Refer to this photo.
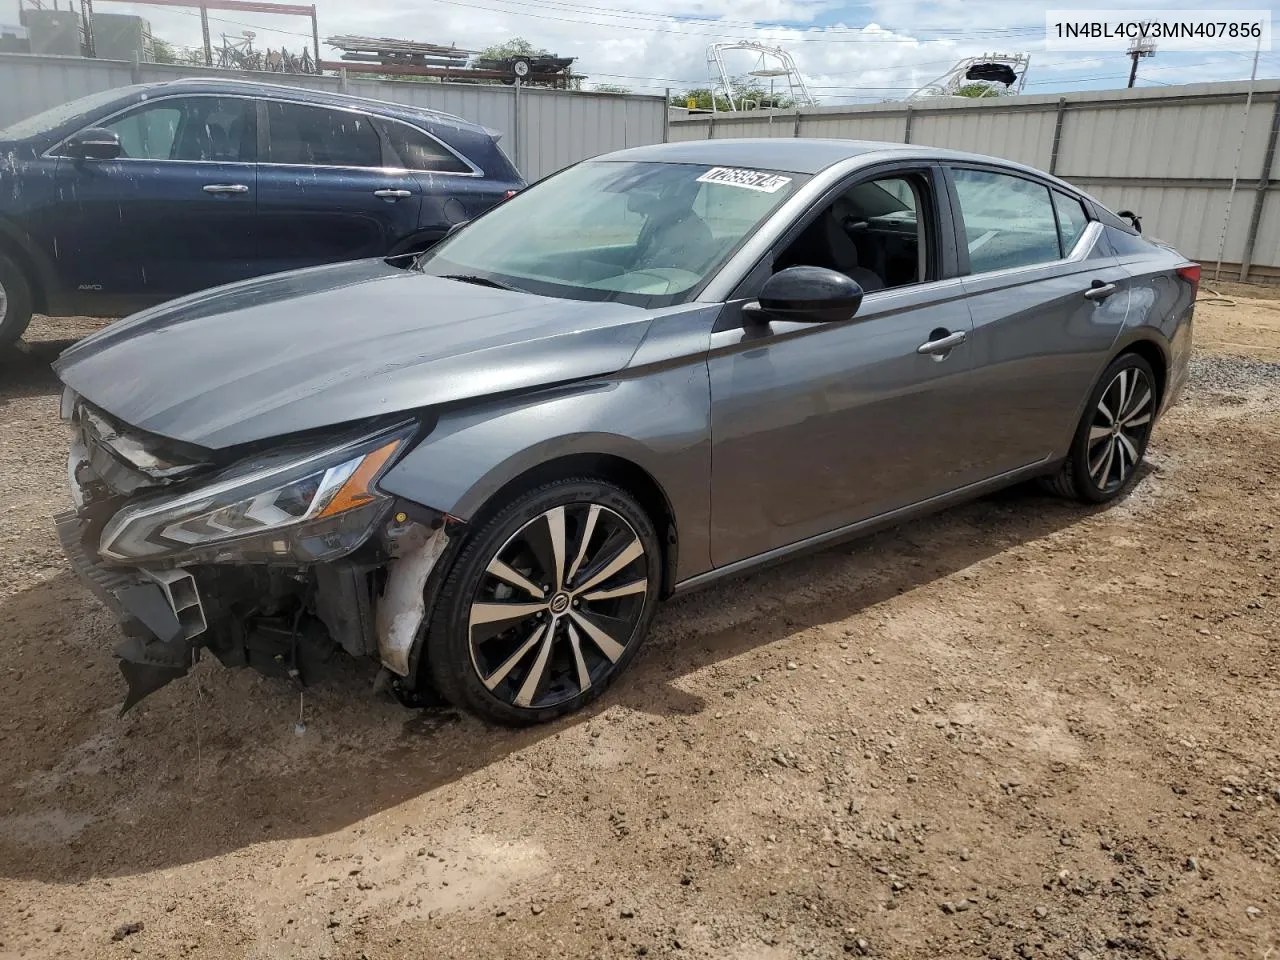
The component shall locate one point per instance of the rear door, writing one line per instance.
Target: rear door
(1048, 302)
(325, 192)
(173, 214)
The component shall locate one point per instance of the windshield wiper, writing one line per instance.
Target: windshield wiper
(479, 281)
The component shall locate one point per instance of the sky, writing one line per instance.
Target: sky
(847, 52)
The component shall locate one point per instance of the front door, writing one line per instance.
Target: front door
(817, 426)
(325, 193)
(175, 213)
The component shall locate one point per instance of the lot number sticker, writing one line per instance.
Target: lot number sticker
(747, 179)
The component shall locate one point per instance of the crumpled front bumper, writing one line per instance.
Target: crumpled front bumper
(159, 612)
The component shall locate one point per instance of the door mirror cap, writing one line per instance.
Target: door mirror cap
(96, 143)
(807, 295)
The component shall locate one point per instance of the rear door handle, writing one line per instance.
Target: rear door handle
(393, 194)
(225, 188)
(942, 344)
(1100, 290)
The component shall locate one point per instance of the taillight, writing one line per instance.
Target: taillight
(1191, 274)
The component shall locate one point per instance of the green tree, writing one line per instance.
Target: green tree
(744, 89)
(977, 91)
(163, 51)
(515, 47)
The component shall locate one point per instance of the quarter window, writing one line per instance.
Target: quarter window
(214, 129)
(1071, 220)
(1008, 221)
(410, 148)
(316, 136)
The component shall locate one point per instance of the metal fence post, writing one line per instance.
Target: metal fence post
(666, 117)
(515, 132)
(342, 79)
(796, 131)
(135, 69)
(906, 134)
(1057, 135)
(1260, 196)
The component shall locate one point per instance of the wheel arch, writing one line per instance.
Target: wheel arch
(1156, 354)
(38, 274)
(622, 472)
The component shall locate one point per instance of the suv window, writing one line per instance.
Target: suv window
(1008, 221)
(874, 232)
(1071, 220)
(215, 129)
(412, 149)
(317, 136)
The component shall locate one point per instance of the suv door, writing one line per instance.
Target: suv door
(175, 213)
(818, 426)
(1048, 303)
(325, 192)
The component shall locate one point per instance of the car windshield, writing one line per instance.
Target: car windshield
(649, 234)
(55, 117)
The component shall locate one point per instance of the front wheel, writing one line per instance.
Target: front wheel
(1111, 439)
(546, 603)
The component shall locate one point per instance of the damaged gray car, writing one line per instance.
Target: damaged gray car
(650, 371)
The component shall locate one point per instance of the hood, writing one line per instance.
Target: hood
(330, 345)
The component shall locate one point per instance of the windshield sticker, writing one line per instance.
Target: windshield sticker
(748, 179)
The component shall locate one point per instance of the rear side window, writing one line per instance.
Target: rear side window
(1007, 221)
(1071, 220)
(317, 136)
(1125, 243)
(410, 148)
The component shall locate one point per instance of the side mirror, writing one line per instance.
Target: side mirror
(806, 295)
(96, 143)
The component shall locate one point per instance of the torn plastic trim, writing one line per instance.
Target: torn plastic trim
(403, 605)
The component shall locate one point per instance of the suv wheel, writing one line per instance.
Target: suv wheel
(546, 604)
(15, 302)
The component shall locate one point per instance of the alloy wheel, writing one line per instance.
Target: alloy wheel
(1120, 427)
(4, 303)
(557, 605)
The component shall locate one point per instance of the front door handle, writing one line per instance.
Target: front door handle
(1100, 291)
(942, 344)
(393, 194)
(225, 188)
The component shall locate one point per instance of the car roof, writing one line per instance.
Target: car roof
(797, 154)
(256, 88)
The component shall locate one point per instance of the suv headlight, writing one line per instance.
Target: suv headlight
(304, 506)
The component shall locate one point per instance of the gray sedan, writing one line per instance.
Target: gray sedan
(653, 370)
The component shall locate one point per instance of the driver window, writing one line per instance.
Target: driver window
(873, 233)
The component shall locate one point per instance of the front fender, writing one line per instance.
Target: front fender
(657, 418)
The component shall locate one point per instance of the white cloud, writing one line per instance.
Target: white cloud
(878, 50)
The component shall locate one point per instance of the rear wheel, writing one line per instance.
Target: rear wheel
(546, 604)
(1111, 439)
(15, 302)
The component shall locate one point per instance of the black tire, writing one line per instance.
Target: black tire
(1102, 466)
(506, 669)
(15, 302)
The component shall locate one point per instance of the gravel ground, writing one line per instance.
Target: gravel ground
(1019, 729)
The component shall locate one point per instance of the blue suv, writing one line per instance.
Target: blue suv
(136, 195)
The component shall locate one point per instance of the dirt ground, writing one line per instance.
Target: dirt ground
(1018, 729)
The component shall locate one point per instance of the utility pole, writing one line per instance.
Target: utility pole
(1139, 47)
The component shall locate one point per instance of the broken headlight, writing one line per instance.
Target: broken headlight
(303, 506)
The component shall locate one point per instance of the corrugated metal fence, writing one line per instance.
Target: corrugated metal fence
(543, 130)
(1169, 154)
